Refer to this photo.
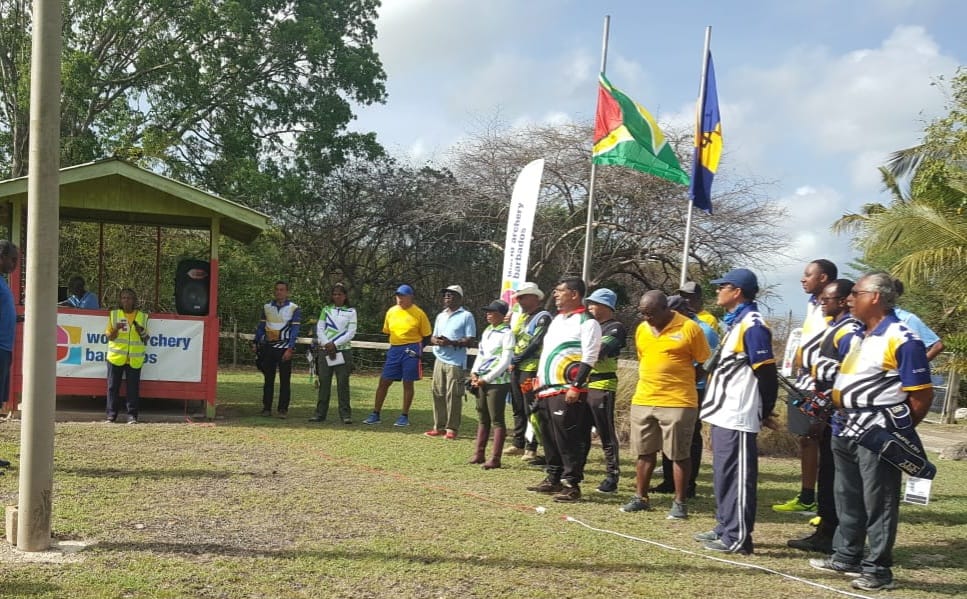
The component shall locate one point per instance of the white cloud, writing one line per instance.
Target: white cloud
(813, 209)
(802, 112)
(862, 104)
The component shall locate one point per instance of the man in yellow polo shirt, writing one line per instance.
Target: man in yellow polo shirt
(665, 405)
(408, 329)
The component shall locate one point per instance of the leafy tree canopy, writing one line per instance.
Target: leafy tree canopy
(223, 93)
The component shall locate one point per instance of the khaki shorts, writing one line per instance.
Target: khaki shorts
(655, 429)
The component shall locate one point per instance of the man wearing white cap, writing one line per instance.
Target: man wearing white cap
(408, 329)
(528, 326)
(453, 332)
(603, 383)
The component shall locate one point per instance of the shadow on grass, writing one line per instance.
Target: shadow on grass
(910, 556)
(629, 567)
(159, 473)
(30, 589)
(926, 516)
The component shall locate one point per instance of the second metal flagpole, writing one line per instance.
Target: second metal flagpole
(588, 229)
(698, 144)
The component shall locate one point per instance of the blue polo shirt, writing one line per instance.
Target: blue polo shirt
(919, 327)
(8, 319)
(455, 325)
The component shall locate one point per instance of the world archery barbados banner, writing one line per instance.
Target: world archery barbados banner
(520, 223)
(173, 352)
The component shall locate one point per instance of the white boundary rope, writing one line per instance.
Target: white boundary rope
(718, 559)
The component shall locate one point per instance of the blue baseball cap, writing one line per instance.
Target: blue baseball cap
(404, 290)
(743, 278)
(603, 296)
(497, 305)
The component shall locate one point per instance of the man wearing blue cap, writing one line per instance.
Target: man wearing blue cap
(408, 329)
(603, 382)
(742, 389)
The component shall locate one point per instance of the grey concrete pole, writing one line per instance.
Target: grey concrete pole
(40, 328)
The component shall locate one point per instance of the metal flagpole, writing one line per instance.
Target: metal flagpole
(588, 235)
(698, 144)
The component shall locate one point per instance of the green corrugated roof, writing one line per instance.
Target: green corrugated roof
(116, 191)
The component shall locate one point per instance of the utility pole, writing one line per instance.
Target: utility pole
(40, 328)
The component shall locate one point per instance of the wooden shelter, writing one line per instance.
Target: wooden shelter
(182, 349)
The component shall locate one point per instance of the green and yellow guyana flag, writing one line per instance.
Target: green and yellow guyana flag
(626, 134)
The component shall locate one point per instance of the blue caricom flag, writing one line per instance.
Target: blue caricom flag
(708, 142)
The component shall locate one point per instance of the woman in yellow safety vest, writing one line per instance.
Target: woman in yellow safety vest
(127, 333)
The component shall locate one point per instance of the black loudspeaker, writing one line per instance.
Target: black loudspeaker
(192, 282)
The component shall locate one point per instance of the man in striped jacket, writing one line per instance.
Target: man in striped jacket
(741, 394)
(883, 386)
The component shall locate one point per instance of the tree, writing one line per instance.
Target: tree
(921, 235)
(218, 93)
(639, 219)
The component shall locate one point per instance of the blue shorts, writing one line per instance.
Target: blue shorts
(400, 365)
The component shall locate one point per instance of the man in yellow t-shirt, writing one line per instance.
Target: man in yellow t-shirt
(665, 404)
(692, 292)
(408, 328)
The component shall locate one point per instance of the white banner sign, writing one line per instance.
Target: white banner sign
(520, 223)
(173, 352)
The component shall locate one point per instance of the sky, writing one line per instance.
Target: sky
(814, 95)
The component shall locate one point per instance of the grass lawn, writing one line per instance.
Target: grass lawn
(258, 507)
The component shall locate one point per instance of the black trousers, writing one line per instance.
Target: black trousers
(567, 434)
(825, 495)
(518, 403)
(271, 362)
(132, 398)
(601, 409)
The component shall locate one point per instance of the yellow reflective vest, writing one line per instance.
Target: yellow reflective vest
(128, 346)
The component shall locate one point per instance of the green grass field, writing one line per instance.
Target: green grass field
(256, 507)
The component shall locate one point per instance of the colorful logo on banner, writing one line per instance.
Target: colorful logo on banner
(69, 349)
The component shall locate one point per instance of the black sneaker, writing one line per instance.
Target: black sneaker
(547, 486)
(830, 565)
(538, 461)
(317, 419)
(608, 485)
(267, 413)
(4, 464)
(816, 542)
(869, 582)
(665, 487)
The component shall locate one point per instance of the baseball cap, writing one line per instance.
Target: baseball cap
(743, 278)
(496, 306)
(679, 304)
(603, 296)
(529, 288)
(690, 288)
(404, 290)
(454, 288)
